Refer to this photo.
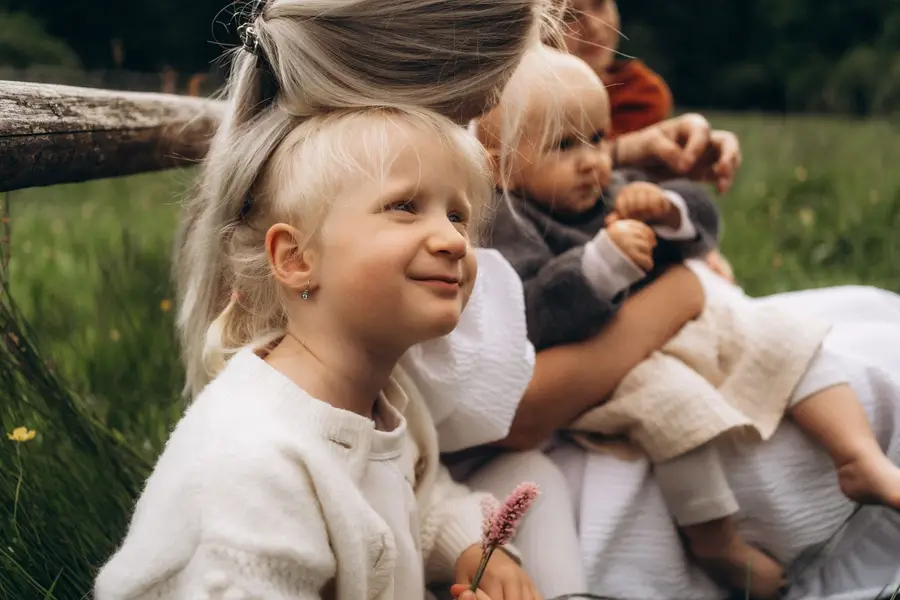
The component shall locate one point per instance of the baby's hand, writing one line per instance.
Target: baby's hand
(503, 578)
(636, 240)
(647, 203)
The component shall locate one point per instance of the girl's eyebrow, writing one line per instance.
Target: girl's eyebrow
(403, 191)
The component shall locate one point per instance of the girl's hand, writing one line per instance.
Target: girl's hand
(465, 594)
(503, 579)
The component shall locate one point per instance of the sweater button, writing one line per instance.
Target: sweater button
(235, 594)
(216, 580)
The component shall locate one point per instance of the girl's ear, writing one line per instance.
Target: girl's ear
(292, 264)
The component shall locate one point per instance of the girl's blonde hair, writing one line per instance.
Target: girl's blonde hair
(287, 133)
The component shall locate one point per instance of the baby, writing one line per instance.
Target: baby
(736, 370)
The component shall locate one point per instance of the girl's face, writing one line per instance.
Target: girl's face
(396, 262)
(592, 32)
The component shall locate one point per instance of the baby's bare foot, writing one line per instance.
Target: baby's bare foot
(872, 479)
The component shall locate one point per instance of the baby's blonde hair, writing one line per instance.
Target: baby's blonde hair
(321, 57)
(530, 105)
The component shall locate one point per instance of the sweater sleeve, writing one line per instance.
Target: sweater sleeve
(449, 524)
(561, 305)
(265, 538)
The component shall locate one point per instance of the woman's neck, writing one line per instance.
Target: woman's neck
(345, 375)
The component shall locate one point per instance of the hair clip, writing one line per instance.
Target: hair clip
(249, 38)
(247, 32)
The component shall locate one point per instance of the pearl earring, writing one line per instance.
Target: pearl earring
(305, 293)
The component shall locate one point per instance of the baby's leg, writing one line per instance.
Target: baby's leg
(835, 418)
(547, 538)
(697, 494)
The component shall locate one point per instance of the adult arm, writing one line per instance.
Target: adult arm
(570, 379)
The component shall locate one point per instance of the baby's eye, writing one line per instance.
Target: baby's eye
(458, 217)
(598, 137)
(567, 143)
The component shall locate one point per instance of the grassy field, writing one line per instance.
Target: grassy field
(817, 203)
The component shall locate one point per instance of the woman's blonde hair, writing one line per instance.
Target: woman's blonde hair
(289, 92)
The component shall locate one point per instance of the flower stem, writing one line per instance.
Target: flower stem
(485, 557)
(18, 488)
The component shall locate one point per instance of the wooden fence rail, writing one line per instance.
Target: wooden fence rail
(52, 134)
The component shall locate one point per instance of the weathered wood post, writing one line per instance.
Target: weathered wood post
(52, 134)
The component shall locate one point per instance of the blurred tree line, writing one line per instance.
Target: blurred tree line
(774, 55)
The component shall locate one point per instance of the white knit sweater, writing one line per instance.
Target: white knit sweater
(257, 495)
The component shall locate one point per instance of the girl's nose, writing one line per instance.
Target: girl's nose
(447, 239)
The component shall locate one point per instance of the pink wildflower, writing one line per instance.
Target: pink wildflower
(508, 516)
(489, 508)
(499, 522)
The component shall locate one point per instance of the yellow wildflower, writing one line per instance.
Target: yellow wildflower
(807, 216)
(165, 305)
(21, 434)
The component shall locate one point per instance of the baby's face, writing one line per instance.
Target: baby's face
(592, 32)
(564, 163)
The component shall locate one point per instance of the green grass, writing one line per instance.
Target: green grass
(817, 203)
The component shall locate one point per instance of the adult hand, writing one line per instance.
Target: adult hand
(685, 146)
(719, 162)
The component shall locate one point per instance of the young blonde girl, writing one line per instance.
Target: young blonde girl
(325, 240)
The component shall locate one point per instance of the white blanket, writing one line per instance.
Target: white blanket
(786, 487)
